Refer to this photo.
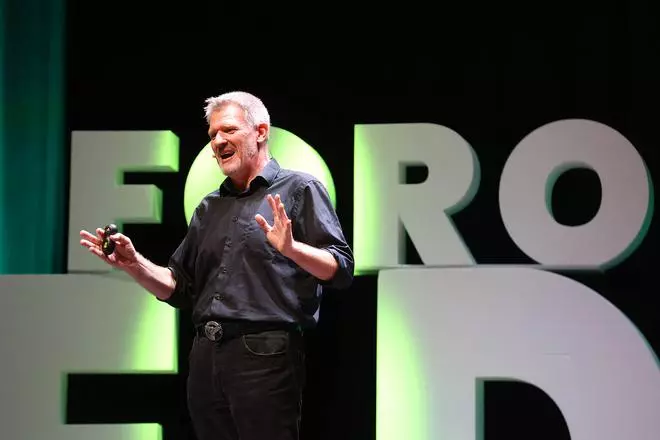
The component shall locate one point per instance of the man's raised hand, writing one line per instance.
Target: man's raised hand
(279, 234)
(124, 255)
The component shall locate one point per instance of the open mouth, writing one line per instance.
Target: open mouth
(226, 155)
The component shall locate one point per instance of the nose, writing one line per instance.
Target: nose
(218, 140)
(217, 144)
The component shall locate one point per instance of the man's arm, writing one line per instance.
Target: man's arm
(169, 284)
(318, 262)
(156, 279)
(319, 247)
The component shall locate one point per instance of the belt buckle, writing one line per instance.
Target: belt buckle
(213, 330)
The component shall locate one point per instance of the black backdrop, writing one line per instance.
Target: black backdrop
(491, 72)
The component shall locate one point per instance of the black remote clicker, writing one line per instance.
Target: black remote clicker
(109, 245)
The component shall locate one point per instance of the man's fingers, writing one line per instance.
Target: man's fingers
(99, 253)
(93, 245)
(120, 238)
(261, 221)
(110, 259)
(88, 243)
(89, 237)
(273, 205)
(283, 215)
(278, 209)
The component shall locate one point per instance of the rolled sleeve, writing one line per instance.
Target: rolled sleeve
(316, 224)
(181, 296)
(344, 276)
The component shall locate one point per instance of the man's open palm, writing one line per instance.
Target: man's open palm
(279, 234)
(124, 256)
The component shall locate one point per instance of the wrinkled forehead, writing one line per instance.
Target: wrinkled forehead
(228, 113)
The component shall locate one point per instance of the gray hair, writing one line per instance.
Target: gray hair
(255, 110)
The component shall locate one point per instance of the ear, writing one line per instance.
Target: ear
(262, 132)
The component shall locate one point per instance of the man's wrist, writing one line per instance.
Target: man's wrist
(293, 251)
(296, 250)
(137, 269)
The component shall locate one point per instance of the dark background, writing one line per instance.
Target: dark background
(492, 72)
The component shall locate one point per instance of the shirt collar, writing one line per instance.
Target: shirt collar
(265, 178)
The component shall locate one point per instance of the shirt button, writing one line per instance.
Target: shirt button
(234, 219)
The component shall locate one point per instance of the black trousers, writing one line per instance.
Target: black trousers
(247, 388)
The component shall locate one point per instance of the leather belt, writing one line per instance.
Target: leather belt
(216, 331)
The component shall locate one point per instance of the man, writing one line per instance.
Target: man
(251, 267)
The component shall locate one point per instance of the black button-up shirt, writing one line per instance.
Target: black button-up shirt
(225, 268)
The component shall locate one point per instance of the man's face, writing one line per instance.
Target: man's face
(234, 141)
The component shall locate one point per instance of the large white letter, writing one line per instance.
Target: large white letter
(442, 331)
(383, 205)
(98, 196)
(625, 210)
(52, 325)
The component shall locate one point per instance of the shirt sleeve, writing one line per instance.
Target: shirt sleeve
(182, 264)
(316, 224)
